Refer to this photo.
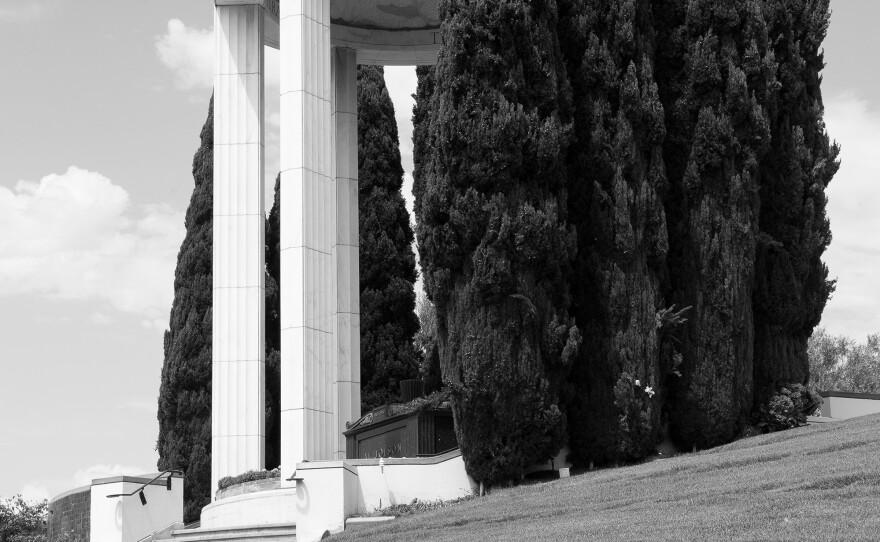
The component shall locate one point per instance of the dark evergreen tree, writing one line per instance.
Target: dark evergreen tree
(495, 246)
(616, 177)
(427, 338)
(273, 332)
(387, 262)
(791, 282)
(718, 73)
(185, 392)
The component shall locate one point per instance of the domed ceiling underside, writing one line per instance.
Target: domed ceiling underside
(386, 14)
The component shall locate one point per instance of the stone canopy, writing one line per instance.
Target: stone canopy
(383, 32)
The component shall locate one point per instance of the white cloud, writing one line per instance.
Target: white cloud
(853, 199)
(76, 236)
(22, 12)
(101, 319)
(34, 493)
(189, 53)
(84, 477)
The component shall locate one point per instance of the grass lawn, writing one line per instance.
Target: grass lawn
(820, 482)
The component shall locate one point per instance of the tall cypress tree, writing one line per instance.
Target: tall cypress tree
(495, 246)
(185, 392)
(616, 178)
(387, 262)
(426, 339)
(720, 70)
(184, 413)
(273, 331)
(791, 283)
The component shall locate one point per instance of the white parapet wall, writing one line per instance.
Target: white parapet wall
(127, 519)
(328, 492)
(844, 405)
(400, 481)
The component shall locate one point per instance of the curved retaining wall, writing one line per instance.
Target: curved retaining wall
(70, 513)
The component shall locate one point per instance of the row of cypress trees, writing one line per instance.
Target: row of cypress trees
(621, 216)
(387, 276)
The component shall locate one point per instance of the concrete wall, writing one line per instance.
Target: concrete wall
(69, 515)
(401, 481)
(328, 492)
(849, 405)
(125, 519)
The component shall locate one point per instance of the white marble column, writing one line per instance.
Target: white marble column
(308, 235)
(238, 378)
(346, 249)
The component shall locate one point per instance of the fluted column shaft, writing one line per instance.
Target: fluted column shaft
(238, 377)
(346, 249)
(308, 236)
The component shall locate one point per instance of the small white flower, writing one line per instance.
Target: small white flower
(650, 391)
(638, 382)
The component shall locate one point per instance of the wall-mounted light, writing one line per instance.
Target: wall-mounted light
(168, 483)
(143, 497)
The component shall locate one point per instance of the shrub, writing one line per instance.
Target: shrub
(414, 507)
(787, 408)
(249, 476)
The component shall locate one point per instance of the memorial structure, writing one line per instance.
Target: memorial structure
(321, 42)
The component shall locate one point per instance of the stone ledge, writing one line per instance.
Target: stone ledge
(361, 523)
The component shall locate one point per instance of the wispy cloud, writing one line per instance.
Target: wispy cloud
(20, 12)
(76, 237)
(101, 319)
(189, 53)
(853, 200)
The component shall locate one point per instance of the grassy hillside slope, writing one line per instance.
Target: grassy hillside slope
(820, 482)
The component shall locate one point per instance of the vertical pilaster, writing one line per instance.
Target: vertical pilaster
(308, 235)
(238, 378)
(346, 249)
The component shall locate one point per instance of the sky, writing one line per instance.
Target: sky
(101, 105)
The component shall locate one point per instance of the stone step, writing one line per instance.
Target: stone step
(262, 533)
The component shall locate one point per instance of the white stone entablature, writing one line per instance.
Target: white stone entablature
(383, 32)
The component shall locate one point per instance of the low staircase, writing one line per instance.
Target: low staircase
(283, 532)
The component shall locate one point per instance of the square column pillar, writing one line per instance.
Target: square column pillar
(347, 246)
(238, 359)
(308, 234)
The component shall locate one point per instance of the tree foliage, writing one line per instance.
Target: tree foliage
(184, 414)
(721, 76)
(791, 281)
(273, 331)
(387, 262)
(617, 176)
(838, 363)
(428, 345)
(22, 520)
(495, 247)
